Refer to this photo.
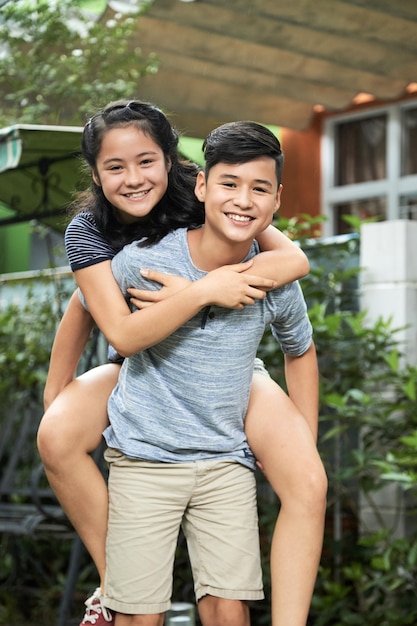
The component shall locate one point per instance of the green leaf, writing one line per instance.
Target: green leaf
(410, 389)
(393, 360)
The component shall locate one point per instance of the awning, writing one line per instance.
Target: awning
(274, 61)
(41, 168)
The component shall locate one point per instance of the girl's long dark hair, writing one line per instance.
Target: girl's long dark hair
(177, 208)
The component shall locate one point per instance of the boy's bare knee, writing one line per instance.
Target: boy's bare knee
(122, 619)
(216, 611)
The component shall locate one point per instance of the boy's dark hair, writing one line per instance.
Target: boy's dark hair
(178, 208)
(239, 142)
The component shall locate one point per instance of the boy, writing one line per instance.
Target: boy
(177, 449)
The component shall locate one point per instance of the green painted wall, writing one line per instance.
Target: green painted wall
(14, 246)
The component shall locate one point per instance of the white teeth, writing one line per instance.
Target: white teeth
(138, 194)
(239, 218)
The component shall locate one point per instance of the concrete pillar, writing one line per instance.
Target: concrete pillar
(388, 258)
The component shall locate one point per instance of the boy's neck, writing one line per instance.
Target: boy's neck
(209, 253)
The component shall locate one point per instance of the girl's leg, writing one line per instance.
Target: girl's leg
(283, 443)
(69, 431)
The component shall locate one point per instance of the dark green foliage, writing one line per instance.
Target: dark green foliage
(32, 572)
(60, 62)
(25, 344)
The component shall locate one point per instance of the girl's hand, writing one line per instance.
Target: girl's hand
(227, 286)
(230, 287)
(143, 298)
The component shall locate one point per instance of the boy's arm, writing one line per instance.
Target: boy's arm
(69, 343)
(281, 259)
(302, 377)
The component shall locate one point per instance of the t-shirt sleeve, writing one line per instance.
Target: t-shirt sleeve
(84, 243)
(293, 328)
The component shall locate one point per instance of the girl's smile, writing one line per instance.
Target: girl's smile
(132, 171)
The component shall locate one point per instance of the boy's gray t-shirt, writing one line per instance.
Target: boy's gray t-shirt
(185, 399)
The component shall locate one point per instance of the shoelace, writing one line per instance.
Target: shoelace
(95, 608)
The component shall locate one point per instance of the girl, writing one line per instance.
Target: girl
(140, 188)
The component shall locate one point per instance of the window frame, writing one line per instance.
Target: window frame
(393, 187)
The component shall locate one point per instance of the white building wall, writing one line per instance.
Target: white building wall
(388, 258)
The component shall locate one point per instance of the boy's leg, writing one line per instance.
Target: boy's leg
(146, 506)
(221, 527)
(139, 620)
(215, 611)
(282, 441)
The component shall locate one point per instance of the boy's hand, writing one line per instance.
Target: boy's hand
(143, 298)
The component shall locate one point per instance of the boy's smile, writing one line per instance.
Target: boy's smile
(240, 202)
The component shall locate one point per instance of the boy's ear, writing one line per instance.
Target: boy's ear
(200, 186)
(278, 199)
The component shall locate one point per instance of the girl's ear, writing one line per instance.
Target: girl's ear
(96, 178)
(200, 186)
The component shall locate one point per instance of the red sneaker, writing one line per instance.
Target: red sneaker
(96, 613)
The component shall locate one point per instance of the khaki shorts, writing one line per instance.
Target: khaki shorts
(215, 501)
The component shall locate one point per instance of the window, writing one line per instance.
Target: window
(409, 139)
(360, 153)
(369, 166)
(408, 207)
(364, 209)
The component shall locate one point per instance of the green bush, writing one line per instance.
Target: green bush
(32, 572)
